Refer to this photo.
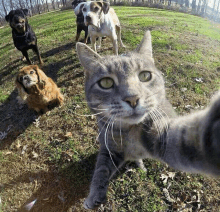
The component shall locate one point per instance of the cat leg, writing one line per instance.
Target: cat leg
(106, 166)
(140, 164)
(192, 142)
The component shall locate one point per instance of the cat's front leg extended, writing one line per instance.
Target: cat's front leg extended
(211, 133)
(193, 141)
(106, 165)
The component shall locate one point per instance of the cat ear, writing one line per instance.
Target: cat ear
(87, 56)
(145, 47)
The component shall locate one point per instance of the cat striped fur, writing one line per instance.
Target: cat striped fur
(136, 121)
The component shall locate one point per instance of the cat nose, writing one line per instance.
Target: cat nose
(132, 101)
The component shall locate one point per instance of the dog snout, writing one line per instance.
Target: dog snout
(88, 18)
(26, 78)
(19, 26)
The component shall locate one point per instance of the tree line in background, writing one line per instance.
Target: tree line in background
(204, 8)
(34, 6)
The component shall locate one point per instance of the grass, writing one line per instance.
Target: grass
(51, 158)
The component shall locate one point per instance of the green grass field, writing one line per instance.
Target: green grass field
(51, 158)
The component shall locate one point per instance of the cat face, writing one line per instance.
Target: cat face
(123, 89)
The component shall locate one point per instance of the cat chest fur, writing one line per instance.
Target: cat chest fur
(134, 148)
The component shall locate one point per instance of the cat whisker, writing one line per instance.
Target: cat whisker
(165, 119)
(106, 144)
(95, 114)
(101, 118)
(162, 124)
(113, 130)
(155, 92)
(120, 131)
(94, 108)
(103, 125)
(154, 118)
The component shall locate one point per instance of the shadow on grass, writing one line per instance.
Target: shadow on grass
(6, 71)
(15, 119)
(58, 190)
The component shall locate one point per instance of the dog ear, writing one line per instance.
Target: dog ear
(105, 7)
(25, 11)
(42, 78)
(79, 8)
(20, 87)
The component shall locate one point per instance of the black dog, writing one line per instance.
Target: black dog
(23, 36)
(80, 22)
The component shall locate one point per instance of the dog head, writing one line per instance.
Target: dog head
(17, 19)
(31, 76)
(76, 2)
(92, 11)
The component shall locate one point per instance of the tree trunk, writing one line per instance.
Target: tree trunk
(38, 7)
(3, 4)
(47, 6)
(199, 7)
(31, 6)
(53, 5)
(213, 9)
(11, 5)
(187, 3)
(194, 5)
(217, 11)
(58, 4)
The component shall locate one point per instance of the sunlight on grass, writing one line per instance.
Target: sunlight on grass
(185, 48)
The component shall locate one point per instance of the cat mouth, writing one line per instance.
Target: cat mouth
(134, 118)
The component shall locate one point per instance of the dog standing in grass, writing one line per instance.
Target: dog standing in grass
(80, 21)
(23, 36)
(101, 21)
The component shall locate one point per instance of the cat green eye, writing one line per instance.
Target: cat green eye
(145, 76)
(106, 83)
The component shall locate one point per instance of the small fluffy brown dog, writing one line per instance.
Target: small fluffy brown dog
(37, 90)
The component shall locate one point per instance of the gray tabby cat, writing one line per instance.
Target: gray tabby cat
(136, 120)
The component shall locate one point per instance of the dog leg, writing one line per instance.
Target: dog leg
(99, 42)
(78, 34)
(118, 29)
(36, 50)
(86, 36)
(115, 46)
(93, 43)
(25, 54)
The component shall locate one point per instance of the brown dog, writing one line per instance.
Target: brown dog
(36, 89)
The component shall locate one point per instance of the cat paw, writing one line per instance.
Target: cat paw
(94, 201)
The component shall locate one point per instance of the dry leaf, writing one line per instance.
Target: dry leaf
(167, 195)
(24, 149)
(34, 154)
(68, 135)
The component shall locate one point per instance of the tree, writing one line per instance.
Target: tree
(3, 5)
(47, 6)
(11, 4)
(194, 5)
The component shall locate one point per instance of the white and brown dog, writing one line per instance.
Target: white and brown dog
(101, 21)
